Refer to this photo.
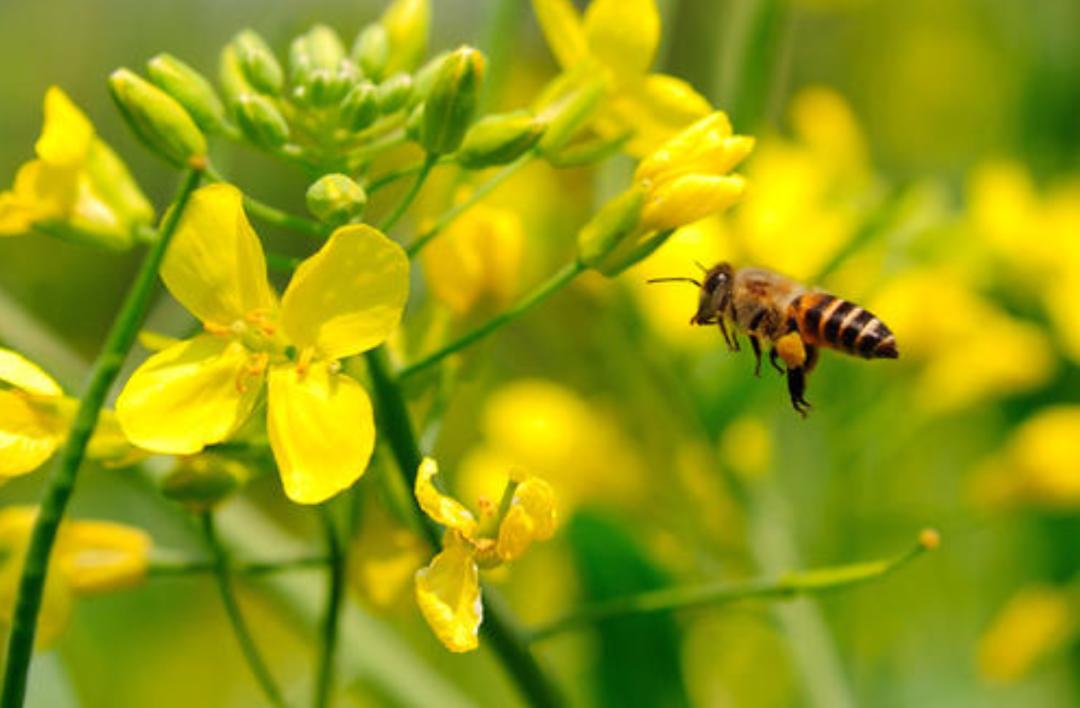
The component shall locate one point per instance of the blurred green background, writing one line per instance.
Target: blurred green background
(959, 121)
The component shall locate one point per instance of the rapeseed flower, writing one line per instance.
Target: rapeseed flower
(89, 557)
(615, 41)
(345, 299)
(35, 416)
(77, 187)
(448, 589)
(1035, 623)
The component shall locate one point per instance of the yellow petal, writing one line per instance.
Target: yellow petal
(23, 374)
(30, 432)
(16, 218)
(99, 556)
(407, 23)
(193, 394)
(563, 29)
(448, 593)
(215, 264)
(46, 191)
(690, 198)
(442, 509)
(623, 34)
(109, 445)
(531, 517)
(348, 297)
(67, 133)
(656, 108)
(322, 431)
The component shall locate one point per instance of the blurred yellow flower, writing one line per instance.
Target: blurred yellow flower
(971, 350)
(686, 179)
(477, 261)
(1038, 464)
(89, 557)
(448, 589)
(617, 39)
(345, 299)
(35, 416)
(384, 555)
(548, 429)
(77, 187)
(1036, 622)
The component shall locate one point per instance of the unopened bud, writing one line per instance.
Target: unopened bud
(201, 481)
(234, 83)
(318, 48)
(407, 23)
(261, 121)
(336, 199)
(610, 227)
(415, 123)
(451, 105)
(325, 87)
(394, 93)
(568, 113)
(190, 89)
(360, 107)
(260, 66)
(588, 152)
(371, 50)
(157, 119)
(499, 139)
(424, 78)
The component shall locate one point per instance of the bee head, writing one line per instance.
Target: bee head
(715, 294)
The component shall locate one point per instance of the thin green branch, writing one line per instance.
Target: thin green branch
(335, 591)
(410, 196)
(61, 484)
(180, 568)
(236, 617)
(274, 216)
(561, 279)
(499, 626)
(391, 176)
(785, 587)
(481, 191)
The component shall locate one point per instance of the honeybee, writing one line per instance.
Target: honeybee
(795, 321)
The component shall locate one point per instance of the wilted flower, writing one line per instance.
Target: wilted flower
(77, 187)
(618, 40)
(345, 299)
(448, 589)
(89, 557)
(35, 416)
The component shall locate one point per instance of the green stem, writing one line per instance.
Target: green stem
(407, 200)
(168, 569)
(785, 587)
(391, 176)
(545, 290)
(236, 618)
(477, 194)
(499, 627)
(61, 484)
(274, 216)
(280, 262)
(335, 591)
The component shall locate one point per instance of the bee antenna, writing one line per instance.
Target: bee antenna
(674, 280)
(703, 268)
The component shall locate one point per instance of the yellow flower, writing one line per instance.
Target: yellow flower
(89, 557)
(618, 39)
(448, 589)
(345, 299)
(384, 555)
(686, 179)
(77, 186)
(35, 416)
(477, 260)
(1036, 622)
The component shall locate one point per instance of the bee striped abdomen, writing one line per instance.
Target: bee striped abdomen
(830, 321)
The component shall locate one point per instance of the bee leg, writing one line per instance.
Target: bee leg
(732, 342)
(756, 345)
(796, 382)
(774, 359)
(811, 358)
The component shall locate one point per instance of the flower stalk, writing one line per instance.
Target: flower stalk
(60, 486)
(335, 592)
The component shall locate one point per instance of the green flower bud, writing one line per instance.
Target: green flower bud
(425, 77)
(371, 50)
(394, 93)
(568, 114)
(157, 119)
(610, 227)
(318, 48)
(336, 199)
(499, 139)
(360, 107)
(324, 87)
(452, 102)
(261, 121)
(201, 481)
(190, 89)
(588, 152)
(633, 251)
(406, 23)
(260, 66)
(234, 83)
(415, 123)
